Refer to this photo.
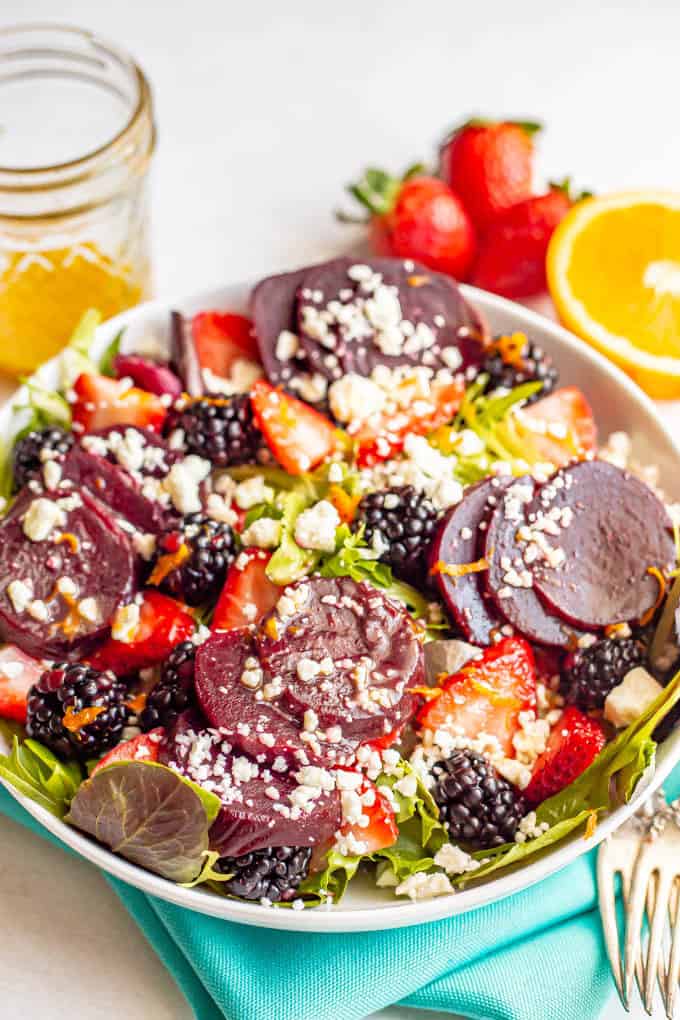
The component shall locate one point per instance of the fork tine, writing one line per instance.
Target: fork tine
(606, 876)
(657, 919)
(634, 914)
(670, 989)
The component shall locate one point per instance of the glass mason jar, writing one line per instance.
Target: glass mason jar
(76, 139)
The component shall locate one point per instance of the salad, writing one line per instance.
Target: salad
(345, 586)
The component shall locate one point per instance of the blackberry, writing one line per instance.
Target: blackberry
(274, 873)
(28, 463)
(198, 577)
(511, 362)
(221, 430)
(174, 692)
(478, 806)
(400, 522)
(58, 698)
(589, 674)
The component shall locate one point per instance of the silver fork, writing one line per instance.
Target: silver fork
(645, 852)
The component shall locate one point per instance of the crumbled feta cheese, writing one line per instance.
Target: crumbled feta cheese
(38, 610)
(629, 699)
(51, 474)
(42, 516)
(125, 623)
(182, 483)
(67, 586)
(20, 593)
(422, 886)
(315, 528)
(89, 609)
(264, 533)
(354, 398)
(335, 473)
(529, 828)
(287, 345)
(144, 544)
(407, 786)
(251, 492)
(454, 861)
(310, 721)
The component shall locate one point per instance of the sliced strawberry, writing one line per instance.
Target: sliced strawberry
(141, 748)
(18, 673)
(248, 594)
(573, 745)
(381, 830)
(487, 695)
(221, 338)
(382, 436)
(382, 743)
(565, 409)
(298, 436)
(101, 402)
(163, 623)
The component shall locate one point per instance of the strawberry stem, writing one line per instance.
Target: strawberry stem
(377, 191)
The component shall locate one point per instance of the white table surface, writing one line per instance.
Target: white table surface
(266, 109)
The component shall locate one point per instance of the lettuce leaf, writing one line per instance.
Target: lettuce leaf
(37, 773)
(290, 561)
(331, 883)
(76, 356)
(108, 358)
(148, 814)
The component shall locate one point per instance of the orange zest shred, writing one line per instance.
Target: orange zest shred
(417, 280)
(491, 694)
(428, 693)
(271, 628)
(656, 573)
(459, 569)
(510, 347)
(68, 536)
(345, 504)
(168, 562)
(74, 721)
(591, 825)
(137, 704)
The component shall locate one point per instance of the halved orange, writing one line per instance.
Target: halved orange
(614, 275)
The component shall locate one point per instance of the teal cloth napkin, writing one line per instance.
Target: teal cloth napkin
(537, 955)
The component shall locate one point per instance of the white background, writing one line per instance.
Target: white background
(266, 109)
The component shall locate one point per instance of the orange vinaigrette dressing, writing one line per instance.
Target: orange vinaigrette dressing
(43, 294)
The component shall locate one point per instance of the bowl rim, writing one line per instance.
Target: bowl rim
(381, 914)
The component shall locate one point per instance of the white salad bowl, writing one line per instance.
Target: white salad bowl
(618, 405)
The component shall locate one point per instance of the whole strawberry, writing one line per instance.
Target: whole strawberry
(417, 217)
(489, 165)
(511, 257)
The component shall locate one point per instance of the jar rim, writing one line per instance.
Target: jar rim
(142, 106)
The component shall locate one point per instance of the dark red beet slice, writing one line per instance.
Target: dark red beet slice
(95, 554)
(426, 298)
(116, 488)
(184, 355)
(149, 375)
(257, 727)
(457, 543)
(272, 307)
(256, 810)
(521, 607)
(620, 530)
(367, 650)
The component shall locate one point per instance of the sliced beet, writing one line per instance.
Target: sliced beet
(89, 549)
(257, 727)
(272, 307)
(618, 531)
(346, 653)
(520, 606)
(184, 354)
(426, 299)
(153, 376)
(257, 810)
(116, 488)
(456, 544)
